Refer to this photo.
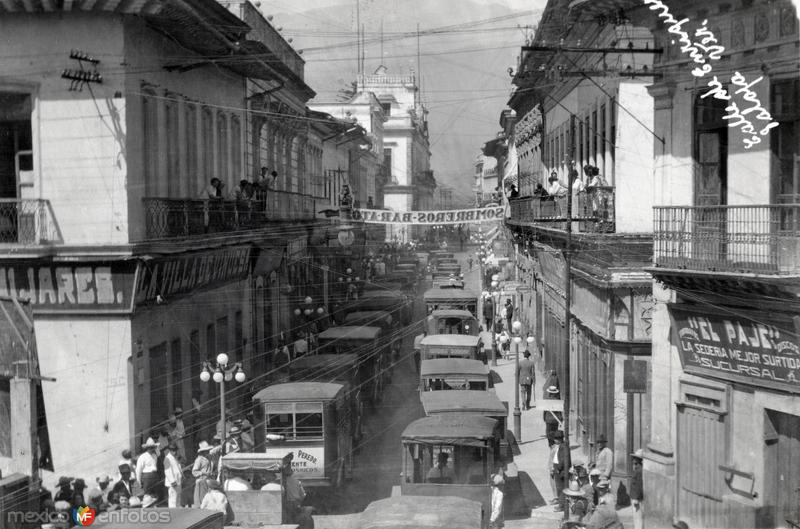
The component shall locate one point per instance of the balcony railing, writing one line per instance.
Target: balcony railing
(168, 218)
(760, 239)
(27, 222)
(593, 210)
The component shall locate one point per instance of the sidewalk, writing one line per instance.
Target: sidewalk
(530, 507)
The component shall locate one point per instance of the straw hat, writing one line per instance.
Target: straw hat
(203, 446)
(638, 454)
(150, 443)
(573, 490)
(552, 390)
(603, 484)
(497, 480)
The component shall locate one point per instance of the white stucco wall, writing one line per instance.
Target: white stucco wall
(78, 136)
(88, 407)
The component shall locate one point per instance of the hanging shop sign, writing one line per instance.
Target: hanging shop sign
(186, 273)
(450, 216)
(756, 349)
(70, 287)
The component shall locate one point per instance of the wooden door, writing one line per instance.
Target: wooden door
(701, 450)
(782, 458)
(710, 181)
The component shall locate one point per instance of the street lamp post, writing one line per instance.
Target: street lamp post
(221, 374)
(516, 327)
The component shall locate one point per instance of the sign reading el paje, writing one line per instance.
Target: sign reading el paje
(450, 216)
(741, 347)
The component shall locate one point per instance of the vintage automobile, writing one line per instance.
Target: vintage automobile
(441, 374)
(452, 321)
(451, 346)
(342, 368)
(483, 403)
(472, 447)
(415, 512)
(451, 298)
(156, 518)
(254, 507)
(312, 421)
(371, 346)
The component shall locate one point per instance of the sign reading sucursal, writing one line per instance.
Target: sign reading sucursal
(704, 47)
(450, 216)
(741, 347)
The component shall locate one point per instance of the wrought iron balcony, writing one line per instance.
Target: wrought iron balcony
(756, 239)
(27, 222)
(593, 210)
(168, 218)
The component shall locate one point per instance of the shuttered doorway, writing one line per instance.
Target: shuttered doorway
(702, 448)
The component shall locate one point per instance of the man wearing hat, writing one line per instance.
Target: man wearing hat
(123, 488)
(605, 458)
(202, 470)
(173, 475)
(234, 441)
(558, 458)
(496, 519)
(637, 489)
(247, 443)
(527, 377)
(147, 469)
(65, 492)
(215, 499)
(605, 515)
(177, 431)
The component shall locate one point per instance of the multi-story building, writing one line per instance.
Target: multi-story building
(725, 430)
(485, 179)
(133, 280)
(406, 147)
(576, 107)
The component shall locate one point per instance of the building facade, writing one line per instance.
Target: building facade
(136, 271)
(572, 112)
(406, 146)
(725, 394)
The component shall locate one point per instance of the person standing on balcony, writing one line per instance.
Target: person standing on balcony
(214, 190)
(595, 178)
(555, 187)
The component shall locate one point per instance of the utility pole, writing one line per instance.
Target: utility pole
(568, 298)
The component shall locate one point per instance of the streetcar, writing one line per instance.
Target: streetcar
(441, 374)
(451, 298)
(447, 282)
(472, 447)
(342, 368)
(310, 420)
(451, 401)
(451, 346)
(393, 301)
(452, 321)
(372, 348)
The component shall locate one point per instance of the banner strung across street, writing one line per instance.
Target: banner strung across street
(450, 216)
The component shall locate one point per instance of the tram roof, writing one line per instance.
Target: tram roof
(452, 366)
(350, 332)
(457, 428)
(448, 294)
(405, 512)
(462, 340)
(462, 401)
(452, 313)
(299, 391)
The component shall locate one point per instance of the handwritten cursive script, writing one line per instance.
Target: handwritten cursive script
(702, 48)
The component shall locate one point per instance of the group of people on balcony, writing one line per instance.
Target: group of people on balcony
(245, 190)
(556, 188)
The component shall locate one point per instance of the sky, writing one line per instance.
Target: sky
(464, 63)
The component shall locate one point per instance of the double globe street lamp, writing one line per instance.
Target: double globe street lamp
(221, 373)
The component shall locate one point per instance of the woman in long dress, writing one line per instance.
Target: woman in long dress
(202, 470)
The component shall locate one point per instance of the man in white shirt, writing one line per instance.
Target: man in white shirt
(605, 458)
(173, 476)
(147, 468)
(215, 499)
(300, 345)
